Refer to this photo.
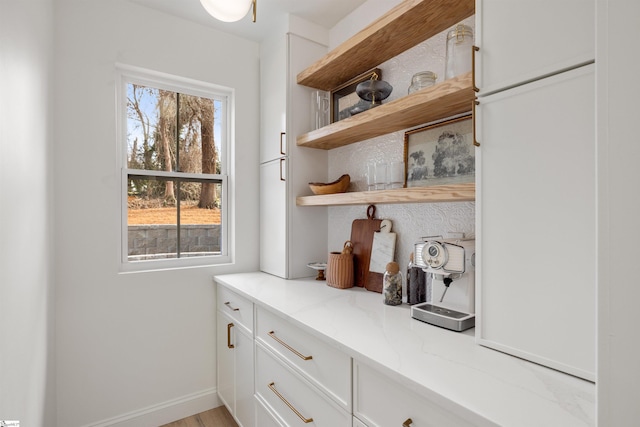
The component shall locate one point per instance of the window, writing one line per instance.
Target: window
(173, 158)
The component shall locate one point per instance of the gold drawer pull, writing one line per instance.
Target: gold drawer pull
(272, 387)
(272, 334)
(474, 49)
(473, 121)
(229, 326)
(407, 423)
(228, 304)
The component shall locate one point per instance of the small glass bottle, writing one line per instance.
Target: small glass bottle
(459, 51)
(392, 284)
(422, 80)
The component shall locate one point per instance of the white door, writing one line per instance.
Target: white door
(273, 218)
(521, 40)
(536, 221)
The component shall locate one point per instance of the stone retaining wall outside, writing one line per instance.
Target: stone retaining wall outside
(159, 241)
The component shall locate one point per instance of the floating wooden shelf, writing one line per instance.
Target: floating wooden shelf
(403, 27)
(435, 194)
(453, 96)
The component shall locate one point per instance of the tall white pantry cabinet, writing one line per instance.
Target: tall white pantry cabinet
(290, 236)
(536, 195)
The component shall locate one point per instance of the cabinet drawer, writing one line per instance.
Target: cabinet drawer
(292, 398)
(380, 402)
(238, 308)
(264, 418)
(358, 423)
(323, 365)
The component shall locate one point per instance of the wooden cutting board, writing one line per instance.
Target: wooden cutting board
(362, 238)
(383, 252)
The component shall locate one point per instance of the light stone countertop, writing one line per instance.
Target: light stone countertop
(482, 385)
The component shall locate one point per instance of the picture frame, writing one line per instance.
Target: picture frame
(344, 97)
(440, 154)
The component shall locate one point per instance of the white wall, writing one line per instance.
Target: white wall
(27, 371)
(618, 372)
(133, 343)
(358, 19)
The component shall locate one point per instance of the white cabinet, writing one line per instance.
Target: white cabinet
(380, 402)
(290, 236)
(264, 417)
(295, 400)
(536, 232)
(522, 40)
(235, 355)
(325, 366)
(273, 99)
(273, 217)
(298, 376)
(358, 423)
(537, 226)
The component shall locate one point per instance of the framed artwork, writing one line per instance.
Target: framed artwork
(440, 154)
(344, 98)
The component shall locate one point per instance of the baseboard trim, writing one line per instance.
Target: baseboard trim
(166, 412)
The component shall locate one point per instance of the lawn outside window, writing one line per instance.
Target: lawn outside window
(173, 144)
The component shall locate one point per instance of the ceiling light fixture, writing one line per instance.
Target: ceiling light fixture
(229, 10)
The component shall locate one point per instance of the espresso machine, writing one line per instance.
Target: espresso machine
(450, 268)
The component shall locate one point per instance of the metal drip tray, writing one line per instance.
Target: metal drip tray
(443, 317)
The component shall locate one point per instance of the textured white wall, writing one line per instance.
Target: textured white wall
(27, 369)
(410, 221)
(127, 342)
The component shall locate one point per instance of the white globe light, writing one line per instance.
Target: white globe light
(227, 10)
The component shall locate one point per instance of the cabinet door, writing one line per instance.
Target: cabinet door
(273, 97)
(273, 218)
(537, 229)
(235, 370)
(296, 401)
(244, 379)
(325, 366)
(521, 40)
(226, 365)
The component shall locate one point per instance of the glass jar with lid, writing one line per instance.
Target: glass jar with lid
(421, 80)
(392, 284)
(459, 51)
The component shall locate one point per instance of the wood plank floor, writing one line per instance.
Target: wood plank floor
(218, 417)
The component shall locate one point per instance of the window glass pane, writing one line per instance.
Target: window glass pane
(151, 222)
(151, 128)
(200, 219)
(155, 225)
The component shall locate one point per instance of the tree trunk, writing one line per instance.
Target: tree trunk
(165, 143)
(208, 194)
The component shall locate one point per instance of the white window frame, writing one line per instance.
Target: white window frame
(126, 74)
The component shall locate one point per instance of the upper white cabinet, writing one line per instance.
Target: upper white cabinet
(290, 238)
(273, 98)
(536, 225)
(521, 40)
(536, 221)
